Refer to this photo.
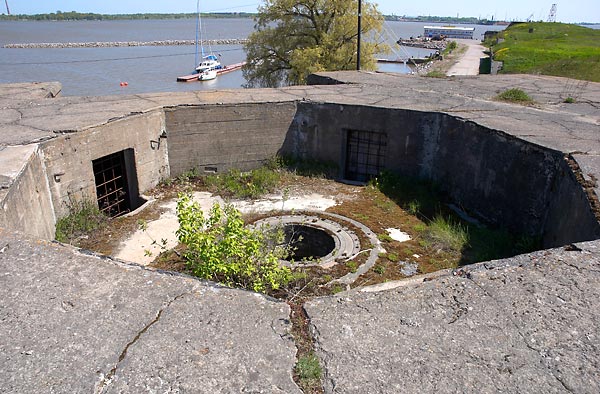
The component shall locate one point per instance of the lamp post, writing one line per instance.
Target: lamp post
(358, 43)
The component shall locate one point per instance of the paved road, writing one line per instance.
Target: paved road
(469, 63)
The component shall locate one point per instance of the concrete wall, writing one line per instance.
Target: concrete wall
(219, 137)
(27, 204)
(68, 159)
(499, 178)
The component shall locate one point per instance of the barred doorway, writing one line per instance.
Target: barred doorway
(365, 155)
(116, 183)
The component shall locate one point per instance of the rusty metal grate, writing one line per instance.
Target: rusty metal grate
(365, 154)
(111, 184)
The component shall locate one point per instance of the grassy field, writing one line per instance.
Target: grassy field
(552, 49)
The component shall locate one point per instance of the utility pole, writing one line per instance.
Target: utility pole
(359, 28)
(7, 9)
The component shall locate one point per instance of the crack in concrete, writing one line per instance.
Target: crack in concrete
(106, 380)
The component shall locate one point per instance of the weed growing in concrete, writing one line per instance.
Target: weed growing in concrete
(515, 95)
(569, 100)
(84, 217)
(309, 369)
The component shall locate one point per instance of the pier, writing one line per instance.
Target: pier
(224, 70)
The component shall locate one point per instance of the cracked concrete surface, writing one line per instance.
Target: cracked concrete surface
(74, 323)
(528, 324)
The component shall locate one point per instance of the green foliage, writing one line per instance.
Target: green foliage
(308, 368)
(84, 217)
(251, 184)
(514, 95)
(569, 100)
(446, 234)
(295, 38)
(221, 248)
(310, 167)
(393, 257)
(384, 237)
(379, 269)
(552, 49)
(435, 74)
(452, 45)
(352, 265)
(418, 197)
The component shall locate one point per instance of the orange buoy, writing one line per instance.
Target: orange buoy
(123, 84)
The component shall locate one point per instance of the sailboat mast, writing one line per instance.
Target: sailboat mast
(197, 31)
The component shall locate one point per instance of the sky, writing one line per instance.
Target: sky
(572, 11)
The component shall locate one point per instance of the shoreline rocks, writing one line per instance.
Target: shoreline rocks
(108, 44)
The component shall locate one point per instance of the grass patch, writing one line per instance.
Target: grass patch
(308, 370)
(84, 217)
(250, 184)
(309, 168)
(418, 197)
(558, 49)
(435, 74)
(515, 96)
(446, 234)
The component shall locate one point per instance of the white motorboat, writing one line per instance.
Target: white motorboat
(209, 62)
(207, 75)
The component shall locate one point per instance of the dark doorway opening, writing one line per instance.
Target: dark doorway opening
(116, 183)
(365, 154)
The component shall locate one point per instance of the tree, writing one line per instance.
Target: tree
(294, 38)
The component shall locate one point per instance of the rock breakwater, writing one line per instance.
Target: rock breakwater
(107, 44)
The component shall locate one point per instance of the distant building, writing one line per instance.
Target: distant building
(449, 31)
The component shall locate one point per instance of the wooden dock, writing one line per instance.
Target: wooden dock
(224, 70)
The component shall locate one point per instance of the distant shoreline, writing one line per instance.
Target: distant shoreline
(81, 16)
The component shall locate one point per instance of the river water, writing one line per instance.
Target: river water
(99, 71)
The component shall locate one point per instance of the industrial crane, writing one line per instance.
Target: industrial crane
(7, 9)
(552, 15)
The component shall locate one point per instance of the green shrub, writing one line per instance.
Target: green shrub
(221, 248)
(84, 216)
(515, 95)
(569, 100)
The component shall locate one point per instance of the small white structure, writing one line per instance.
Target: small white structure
(449, 31)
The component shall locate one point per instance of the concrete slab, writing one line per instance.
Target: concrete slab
(74, 323)
(528, 324)
(12, 162)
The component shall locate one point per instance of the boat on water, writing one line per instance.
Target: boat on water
(209, 64)
(207, 75)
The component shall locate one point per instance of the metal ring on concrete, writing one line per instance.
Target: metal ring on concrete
(346, 242)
